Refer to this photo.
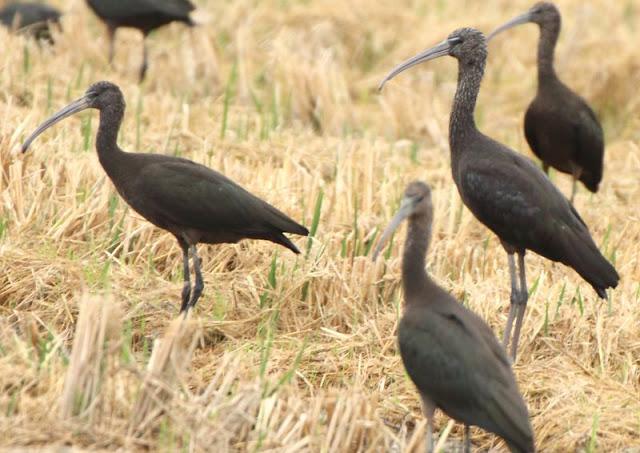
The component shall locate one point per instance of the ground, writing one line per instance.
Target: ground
(286, 352)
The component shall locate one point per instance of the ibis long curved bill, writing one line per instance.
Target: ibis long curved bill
(405, 210)
(518, 20)
(437, 51)
(76, 106)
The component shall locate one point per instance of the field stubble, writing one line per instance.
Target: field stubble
(289, 353)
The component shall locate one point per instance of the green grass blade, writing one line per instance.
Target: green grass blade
(228, 97)
(317, 210)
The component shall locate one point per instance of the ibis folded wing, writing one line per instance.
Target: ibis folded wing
(182, 195)
(457, 362)
(515, 199)
(124, 11)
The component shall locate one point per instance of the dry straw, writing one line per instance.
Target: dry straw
(298, 353)
(96, 344)
(169, 361)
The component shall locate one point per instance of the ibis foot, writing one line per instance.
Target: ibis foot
(467, 439)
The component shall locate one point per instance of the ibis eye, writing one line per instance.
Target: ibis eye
(455, 40)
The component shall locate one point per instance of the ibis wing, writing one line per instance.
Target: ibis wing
(565, 133)
(124, 10)
(588, 124)
(176, 7)
(435, 361)
(193, 196)
(464, 371)
(589, 139)
(29, 14)
(531, 121)
(515, 199)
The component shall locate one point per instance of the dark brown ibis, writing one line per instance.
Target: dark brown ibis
(506, 191)
(560, 127)
(193, 202)
(449, 352)
(34, 19)
(144, 15)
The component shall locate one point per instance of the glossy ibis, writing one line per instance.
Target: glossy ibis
(506, 191)
(191, 201)
(31, 18)
(144, 15)
(560, 127)
(450, 354)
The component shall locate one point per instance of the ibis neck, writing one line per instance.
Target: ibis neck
(414, 276)
(462, 125)
(549, 33)
(107, 139)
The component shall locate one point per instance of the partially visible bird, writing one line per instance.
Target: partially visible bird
(193, 202)
(144, 15)
(449, 352)
(506, 191)
(560, 127)
(34, 19)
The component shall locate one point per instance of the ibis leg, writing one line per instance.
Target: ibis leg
(522, 306)
(429, 441)
(112, 38)
(467, 439)
(429, 409)
(198, 283)
(186, 287)
(573, 190)
(143, 68)
(513, 308)
(577, 172)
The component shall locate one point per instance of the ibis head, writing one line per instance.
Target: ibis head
(544, 14)
(464, 44)
(98, 96)
(416, 204)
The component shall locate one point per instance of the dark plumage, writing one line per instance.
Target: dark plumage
(32, 18)
(144, 15)
(560, 127)
(450, 354)
(507, 191)
(193, 202)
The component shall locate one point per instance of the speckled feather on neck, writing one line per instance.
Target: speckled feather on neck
(462, 124)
